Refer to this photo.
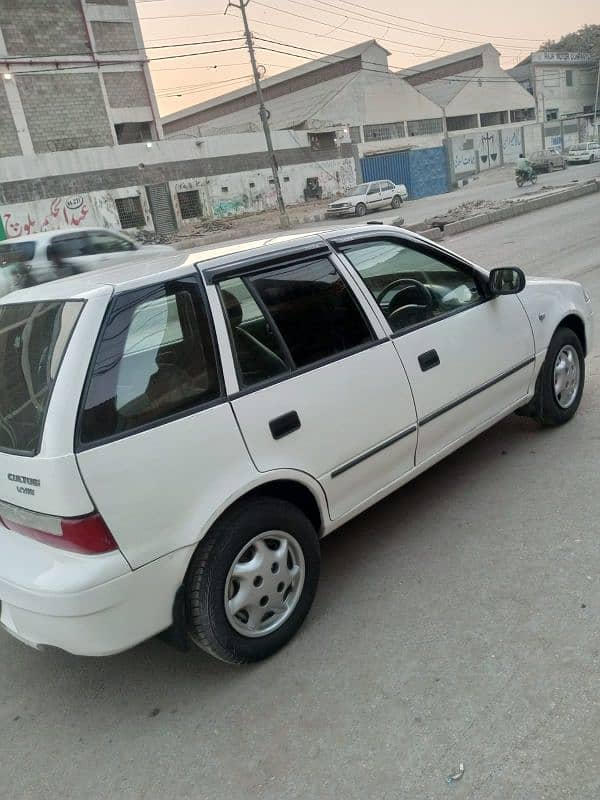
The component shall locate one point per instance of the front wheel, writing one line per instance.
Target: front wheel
(396, 201)
(520, 182)
(561, 380)
(360, 210)
(533, 178)
(252, 580)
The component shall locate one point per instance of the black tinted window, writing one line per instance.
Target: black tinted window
(17, 253)
(313, 310)
(156, 358)
(70, 246)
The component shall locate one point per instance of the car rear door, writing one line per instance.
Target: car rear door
(320, 387)
(388, 190)
(469, 359)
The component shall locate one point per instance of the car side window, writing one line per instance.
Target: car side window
(156, 358)
(257, 350)
(101, 242)
(314, 311)
(409, 286)
(373, 188)
(70, 245)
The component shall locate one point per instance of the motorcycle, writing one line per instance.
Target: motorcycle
(524, 177)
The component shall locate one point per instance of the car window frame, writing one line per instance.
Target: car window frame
(245, 275)
(376, 185)
(448, 259)
(195, 280)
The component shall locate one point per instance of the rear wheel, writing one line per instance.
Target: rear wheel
(360, 210)
(561, 380)
(252, 580)
(396, 201)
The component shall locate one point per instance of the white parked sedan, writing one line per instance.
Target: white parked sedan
(176, 438)
(368, 197)
(42, 257)
(585, 153)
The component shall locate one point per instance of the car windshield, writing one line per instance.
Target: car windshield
(360, 189)
(33, 339)
(12, 253)
(577, 148)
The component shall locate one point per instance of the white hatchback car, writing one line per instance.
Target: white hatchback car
(176, 437)
(585, 153)
(368, 197)
(42, 257)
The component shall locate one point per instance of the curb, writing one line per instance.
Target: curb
(516, 209)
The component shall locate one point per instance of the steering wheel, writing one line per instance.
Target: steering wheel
(424, 302)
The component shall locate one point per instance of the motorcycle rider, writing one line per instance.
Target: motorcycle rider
(524, 167)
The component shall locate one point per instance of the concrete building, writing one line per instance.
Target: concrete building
(165, 187)
(75, 76)
(349, 96)
(563, 85)
(81, 139)
(472, 90)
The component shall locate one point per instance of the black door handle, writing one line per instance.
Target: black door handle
(428, 360)
(282, 426)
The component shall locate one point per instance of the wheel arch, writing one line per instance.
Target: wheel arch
(575, 323)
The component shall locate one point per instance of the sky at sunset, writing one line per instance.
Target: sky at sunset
(289, 34)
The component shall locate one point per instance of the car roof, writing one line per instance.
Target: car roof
(133, 274)
(45, 236)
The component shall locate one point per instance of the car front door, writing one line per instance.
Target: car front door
(319, 388)
(374, 196)
(469, 358)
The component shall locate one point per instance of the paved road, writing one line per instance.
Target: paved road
(456, 622)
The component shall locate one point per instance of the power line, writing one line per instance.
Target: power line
(362, 18)
(91, 53)
(349, 30)
(442, 27)
(67, 66)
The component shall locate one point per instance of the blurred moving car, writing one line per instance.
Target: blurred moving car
(31, 260)
(367, 197)
(585, 153)
(548, 160)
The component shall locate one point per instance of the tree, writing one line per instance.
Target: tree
(585, 40)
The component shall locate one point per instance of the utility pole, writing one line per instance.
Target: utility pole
(596, 125)
(264, 114)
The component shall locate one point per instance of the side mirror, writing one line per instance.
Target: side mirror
(506, 280)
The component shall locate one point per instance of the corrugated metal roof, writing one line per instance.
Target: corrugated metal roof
(288, 111)
(461, 55)
(341, 55)
(443, 91)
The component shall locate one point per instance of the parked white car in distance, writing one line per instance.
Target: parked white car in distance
(42, 257)
(176, 436)
(585, 153)
(368, 197)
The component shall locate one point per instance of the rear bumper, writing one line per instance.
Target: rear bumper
(69, 609)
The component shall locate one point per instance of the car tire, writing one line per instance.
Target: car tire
(396, 201)
(232, 544)
(548, 405)
(360, 210)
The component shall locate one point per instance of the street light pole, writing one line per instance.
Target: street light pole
(264, 114)
(596, 103)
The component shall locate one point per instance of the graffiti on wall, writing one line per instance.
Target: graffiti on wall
(61, 212)
(488, 150)
(512, 145)
(234, 205)
(464, 155)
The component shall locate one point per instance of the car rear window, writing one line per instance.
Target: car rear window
(33, 340)
(16, 253)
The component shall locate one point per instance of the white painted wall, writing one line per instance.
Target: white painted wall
(551, 88)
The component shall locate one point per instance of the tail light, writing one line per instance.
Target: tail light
(88, 535)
